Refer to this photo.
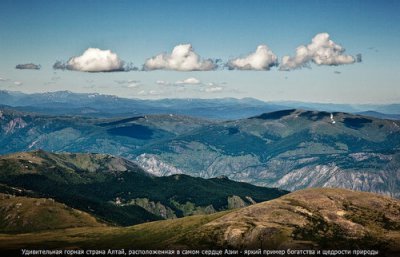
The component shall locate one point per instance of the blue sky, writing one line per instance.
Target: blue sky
(42, 32)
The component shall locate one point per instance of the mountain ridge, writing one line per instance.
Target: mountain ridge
(132, 195)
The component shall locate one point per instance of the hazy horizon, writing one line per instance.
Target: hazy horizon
(278, 102)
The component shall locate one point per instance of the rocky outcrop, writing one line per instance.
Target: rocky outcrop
(152, 164)
(235, 202)
(153, 207)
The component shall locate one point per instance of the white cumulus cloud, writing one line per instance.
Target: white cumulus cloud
(213, 89)
(162, 83)
(262, 59)
(134, 84)
(182, 58)
(93, 60)
(128, 83)
(154, 92)
(189, 81)
(142, 92)
(321, 51)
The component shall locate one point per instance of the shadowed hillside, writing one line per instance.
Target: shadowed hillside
(119, 191)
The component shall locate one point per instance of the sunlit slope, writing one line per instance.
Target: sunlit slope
(24, 214)
(307, 219)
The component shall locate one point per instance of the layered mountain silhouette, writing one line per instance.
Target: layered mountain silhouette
(100, 105)
(289, 149)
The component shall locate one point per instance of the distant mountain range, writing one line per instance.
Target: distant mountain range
(98, 105)
(290, 149)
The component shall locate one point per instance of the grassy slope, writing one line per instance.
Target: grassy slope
(23, 214)
(157, 234)
(313, 218)
(329, 218)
